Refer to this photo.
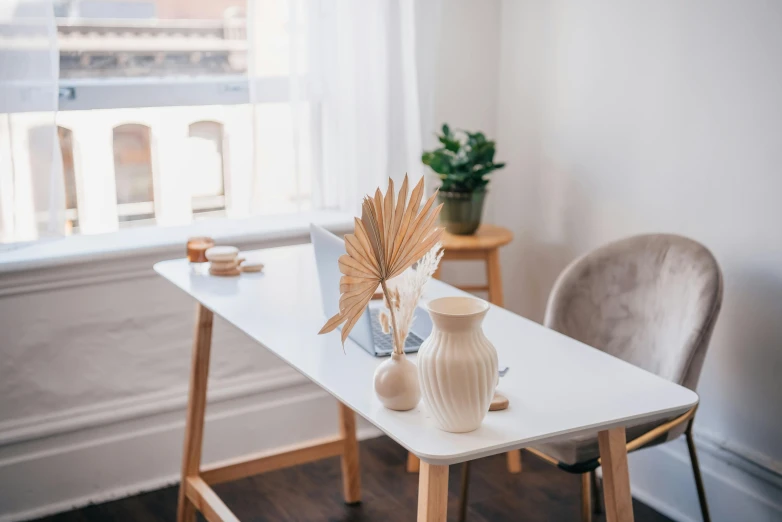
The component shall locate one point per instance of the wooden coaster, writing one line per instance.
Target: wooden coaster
(230, 272)
(225, 273)
(499, 402)
(251, 266)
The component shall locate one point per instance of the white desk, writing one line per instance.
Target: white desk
(557, 387)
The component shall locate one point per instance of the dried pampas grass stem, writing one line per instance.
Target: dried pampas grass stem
(408, 290)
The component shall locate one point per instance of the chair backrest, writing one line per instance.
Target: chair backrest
(651, 300)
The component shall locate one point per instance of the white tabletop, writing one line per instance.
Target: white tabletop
(557, 386)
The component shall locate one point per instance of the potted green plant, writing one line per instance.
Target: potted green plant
(462, 163)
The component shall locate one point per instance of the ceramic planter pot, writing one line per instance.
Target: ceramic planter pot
(462, 211)
(457, 365)
(396, 383)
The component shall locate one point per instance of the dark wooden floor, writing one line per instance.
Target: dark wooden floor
(313, 493)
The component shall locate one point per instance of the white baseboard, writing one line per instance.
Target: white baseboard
(662, 478)
(68, 461)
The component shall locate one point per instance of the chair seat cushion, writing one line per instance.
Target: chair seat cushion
(585, 447)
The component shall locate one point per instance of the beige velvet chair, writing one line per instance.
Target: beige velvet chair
(651, 300)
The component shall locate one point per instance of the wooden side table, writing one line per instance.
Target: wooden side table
(484, 246)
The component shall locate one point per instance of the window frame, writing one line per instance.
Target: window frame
(125, 93)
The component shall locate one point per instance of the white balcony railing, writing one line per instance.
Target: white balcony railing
(255, 158)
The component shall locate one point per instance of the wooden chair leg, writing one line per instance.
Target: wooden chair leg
(586, 498)
(413, 463)
(432, 493)
(696, 471)
(494, 277)
(351, 474)
(616, 476)
(196, 406)
(514, 461)
(464, 498)
(597, 498)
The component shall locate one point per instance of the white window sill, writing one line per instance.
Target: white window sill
(128, 253)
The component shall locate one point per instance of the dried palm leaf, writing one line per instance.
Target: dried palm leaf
(391, 236)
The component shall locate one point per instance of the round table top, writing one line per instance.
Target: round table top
(485, 238)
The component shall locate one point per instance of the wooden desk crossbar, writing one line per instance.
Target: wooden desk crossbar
(263, 462)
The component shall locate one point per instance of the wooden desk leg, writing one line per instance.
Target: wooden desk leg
(351, 474)
(196, 405)
(616, 477)
(514, 461)
(432, 493)
(413, 463)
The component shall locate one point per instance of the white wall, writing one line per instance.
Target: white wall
(468, 65)
(621, 117)
(466, 73)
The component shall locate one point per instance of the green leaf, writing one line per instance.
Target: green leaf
(463, 160)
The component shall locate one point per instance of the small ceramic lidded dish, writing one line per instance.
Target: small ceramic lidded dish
(457, 365)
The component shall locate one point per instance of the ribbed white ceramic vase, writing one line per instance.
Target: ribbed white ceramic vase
(457, 365)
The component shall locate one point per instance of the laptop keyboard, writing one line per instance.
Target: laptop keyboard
(384, 344)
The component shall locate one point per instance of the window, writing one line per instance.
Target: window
(153, 53)
(206, 170)
(160, 53)
(183, 68)
(189, 109)
(141, 39)
(165, 83)
(133, 173)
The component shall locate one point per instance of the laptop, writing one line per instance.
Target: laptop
(367, 332)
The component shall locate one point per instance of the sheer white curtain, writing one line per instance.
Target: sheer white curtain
(371, 67)
(340, 94)
(32, 197)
